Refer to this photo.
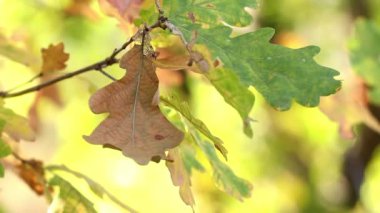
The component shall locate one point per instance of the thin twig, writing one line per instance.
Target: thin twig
(158, 6)
(107, 75)
(39, 75)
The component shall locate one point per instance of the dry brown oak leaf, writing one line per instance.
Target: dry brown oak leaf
(135, 124)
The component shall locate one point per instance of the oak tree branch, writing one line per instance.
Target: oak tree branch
(110, 60)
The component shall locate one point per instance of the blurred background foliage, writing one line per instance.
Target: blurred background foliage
(295, 160)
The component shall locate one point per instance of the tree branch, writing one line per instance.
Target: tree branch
(110, 60)
(158, 6)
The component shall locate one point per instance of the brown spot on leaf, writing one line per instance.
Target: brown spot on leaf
(159, 137)
(191, 17)
(216, 63)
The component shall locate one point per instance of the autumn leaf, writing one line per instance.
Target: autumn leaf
(356, 110)
(11, 50)
(364, 54)
(32, 172)
(179, 176)
(72, 199)
(83, 8)
(181, 162)
(125, 11)
(134, 125)
(54, 58)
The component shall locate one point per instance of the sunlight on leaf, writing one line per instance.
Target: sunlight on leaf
(234, 93)
(224, 176)
(175, 103)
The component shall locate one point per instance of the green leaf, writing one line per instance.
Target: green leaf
(2, 125)
(234, 93)
(175, 103)
(223, 175)
(365, 55)
(280, 74)
(16, 126)
(73, 200)
(188, 156)
(95, 187)
(210, 12)
(5, 149)
(1, 171)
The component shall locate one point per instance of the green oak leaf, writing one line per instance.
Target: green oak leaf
(73, 200)
(209, 13)
(188, 155)
(365, 55)
(280, 74)
(223, 174)
(182, 107)
(234, 93)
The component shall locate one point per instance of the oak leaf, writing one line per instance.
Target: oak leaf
(135, 125)
(123, 10)
(54, 58)
(32, 172)
(180, 176)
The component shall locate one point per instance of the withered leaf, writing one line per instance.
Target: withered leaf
(180, 176)
(134, 125)
(54, 58)
(81, 8)
(121, 9)
(32, 172)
